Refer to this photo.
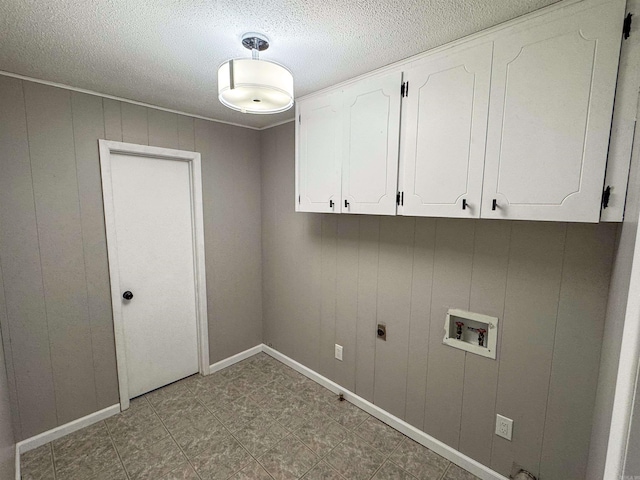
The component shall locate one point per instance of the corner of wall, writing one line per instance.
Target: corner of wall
(614, 322)
(7, 439)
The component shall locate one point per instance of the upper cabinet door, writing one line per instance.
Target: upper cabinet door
(319, 154)
(443, 134)
(552, 93)
(371, 133)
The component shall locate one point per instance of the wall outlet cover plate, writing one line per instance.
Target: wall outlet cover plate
(504, 427)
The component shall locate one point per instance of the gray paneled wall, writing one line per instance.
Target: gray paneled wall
(55, 305)
(330, 278)
(7, 440)
(632, 464)
(615, 318)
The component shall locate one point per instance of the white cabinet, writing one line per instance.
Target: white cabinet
(347, 148)
(443, 133)
(552, 90)
(624, 122)
(371, 130)
(319, 154)
(512, 124)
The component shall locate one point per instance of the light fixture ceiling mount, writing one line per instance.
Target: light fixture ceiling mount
(251, 85)
(254, 41)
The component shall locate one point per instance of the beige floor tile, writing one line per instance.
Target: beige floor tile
(288, 460)
(153, 462)
(256, 420)
(253, 471)
(454, 472)
(184, 472)
(379, 434)
(390, 471)
(37, 464)
(222, 460)
(323, 471)
(419, 461)
(355, 459)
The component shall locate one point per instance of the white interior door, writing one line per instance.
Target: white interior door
(152, 213)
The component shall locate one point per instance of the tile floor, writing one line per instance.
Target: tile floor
(256, 420)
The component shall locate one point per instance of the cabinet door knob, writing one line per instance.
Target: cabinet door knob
(464, 203)
(330, 203)
(494, 204)
(346, 204)
(127, 295)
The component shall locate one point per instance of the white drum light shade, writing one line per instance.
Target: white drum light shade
(255, 86)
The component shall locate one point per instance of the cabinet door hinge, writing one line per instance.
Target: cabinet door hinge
(299, 118)
(626, 26)
(298, 198)
(404, 89)
(400, 198)
(605, 197)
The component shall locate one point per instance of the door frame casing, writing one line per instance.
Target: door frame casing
(107, 148)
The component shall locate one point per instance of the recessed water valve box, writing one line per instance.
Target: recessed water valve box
(472, 332)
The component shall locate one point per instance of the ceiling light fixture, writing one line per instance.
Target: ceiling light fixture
(251, 85)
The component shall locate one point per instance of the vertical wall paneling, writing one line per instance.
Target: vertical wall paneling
(21, 269)
(12, 389)
(88, 126)
(347, 298)
(290, 322)
(206, 145)
(614, 320)
(488, 286)
(135, 124)
(305, 277)
(231, 197)
(632, 461)
(528, 333)
(186, 133)
(419, 326)
(451, 287)
(394, 298)
(409, 272)
(112, 119)
(300, 253)
(163, 129)
(56, 310)
(328, 295)
(7, 437)
(272, 165)
(368, 255)
(55, 185)
(574, 375)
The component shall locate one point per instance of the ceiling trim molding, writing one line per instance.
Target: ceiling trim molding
(134, 102)
(277, 124)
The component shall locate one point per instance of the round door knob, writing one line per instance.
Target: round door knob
(127, 295)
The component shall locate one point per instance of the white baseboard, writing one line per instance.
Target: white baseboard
(451, 454)
(17, 461)
(476, 468)
(238, 357)
(58, 432)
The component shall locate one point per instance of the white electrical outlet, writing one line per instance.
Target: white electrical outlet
(504, 427)
(339, 352)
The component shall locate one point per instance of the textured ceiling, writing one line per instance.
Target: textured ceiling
(166, 52)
